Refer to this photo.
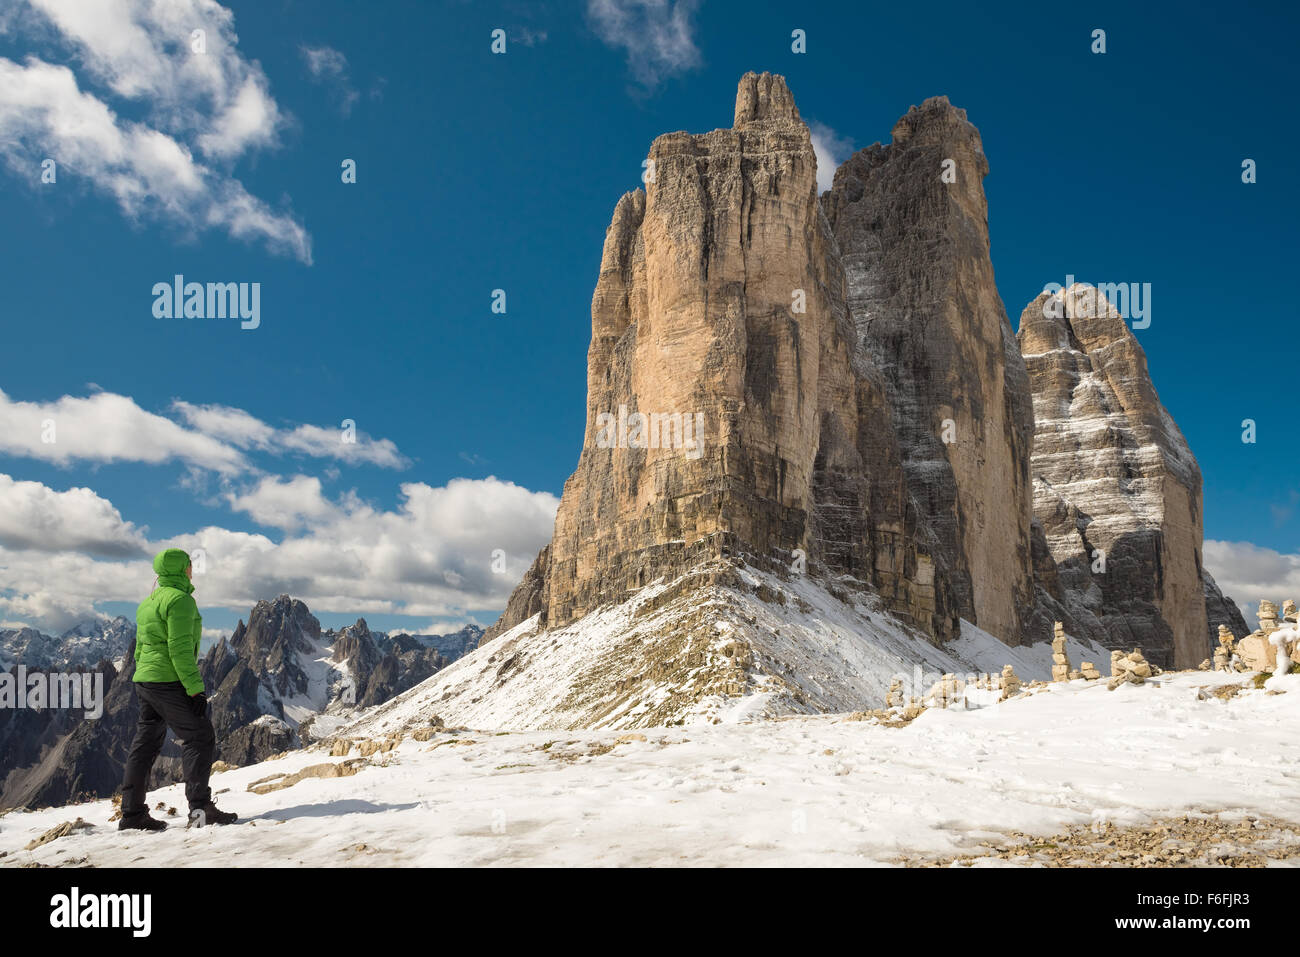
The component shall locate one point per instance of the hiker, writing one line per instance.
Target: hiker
(168, 627)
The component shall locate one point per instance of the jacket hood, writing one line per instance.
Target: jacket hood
(169, 566)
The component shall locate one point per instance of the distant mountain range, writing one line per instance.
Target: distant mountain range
(82, 646)
(273, 684)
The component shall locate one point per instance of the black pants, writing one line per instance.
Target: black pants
(163, 705)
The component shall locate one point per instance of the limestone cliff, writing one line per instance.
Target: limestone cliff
(729, 410)
(832, 385)
(1221, 610)
(911, 221)
(1117, 492)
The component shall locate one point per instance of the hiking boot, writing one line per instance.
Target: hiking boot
(140, 822)
(210, 814)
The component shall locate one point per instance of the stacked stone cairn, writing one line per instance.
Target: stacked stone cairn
(1061, 670)
(950, 689)
(1011, 683)
(1060, 660)
(894, 696)
(1225, 656)
(1132, 668)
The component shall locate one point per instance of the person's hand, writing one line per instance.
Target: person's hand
(199, 704)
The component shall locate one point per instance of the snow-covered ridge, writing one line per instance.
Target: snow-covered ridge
(719, 645)
(82, 646)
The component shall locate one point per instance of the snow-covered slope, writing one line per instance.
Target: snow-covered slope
(800, 791)
(329, 683)
(721, 643)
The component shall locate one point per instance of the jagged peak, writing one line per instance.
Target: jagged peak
(936, 122)
(1080, 316)
(1082, 301)
(934, 119)
(764, 98)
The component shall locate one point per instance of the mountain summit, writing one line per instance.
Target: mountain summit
(720, 306)
(815, 454)
(911, 222)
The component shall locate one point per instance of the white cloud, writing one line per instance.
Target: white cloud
(248, 432)
(831, 150)
(214, 104)
(657, 35)
(143, 51)
(34, 517)
(284, 503)
(324, 62)
(1248, 573)
(321, 442)
(248, 119)
(106, 427)
(429, 558)
(54, 591)
(328, 66)
(228, 424)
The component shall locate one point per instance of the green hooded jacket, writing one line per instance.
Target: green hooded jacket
(168, 626)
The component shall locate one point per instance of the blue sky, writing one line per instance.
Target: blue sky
(478, 172)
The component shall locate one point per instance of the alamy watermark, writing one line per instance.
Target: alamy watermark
(1131, 300)
(52, 690)
(926, 688)
(653, 430)
(75, 910)
(179, 299)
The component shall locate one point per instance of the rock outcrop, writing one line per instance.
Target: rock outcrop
(911, 221)
(729, 409)
(832, 385)
(1117, 492)
(528, 598)
(405, 662)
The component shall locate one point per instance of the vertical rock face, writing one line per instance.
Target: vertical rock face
(775, 376)
(1113, 479)
(278, 634)
(728, 407)
(528, 598)
(1220, 610)
(926, 311)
